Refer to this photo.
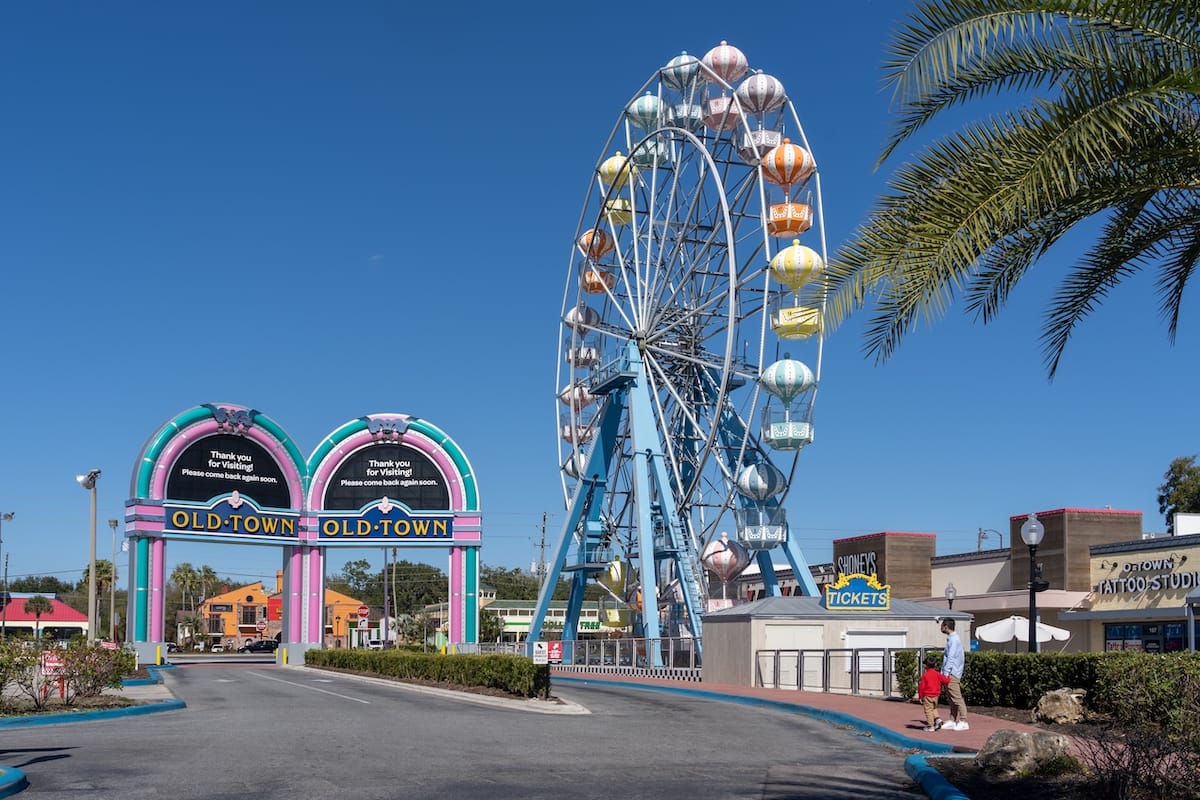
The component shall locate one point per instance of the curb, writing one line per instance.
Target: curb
(930, 780)
(12, 781)
(870, 729)
(84, 716)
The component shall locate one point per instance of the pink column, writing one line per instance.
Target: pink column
(158, 595)
(294, 590)
(457, 594)
(316, 599)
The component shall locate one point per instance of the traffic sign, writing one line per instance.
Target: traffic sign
(261, 625)
(363, 612)
(554, 651)
(362, 624)
(540, 654)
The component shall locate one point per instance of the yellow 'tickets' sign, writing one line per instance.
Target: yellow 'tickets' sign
(857, 592)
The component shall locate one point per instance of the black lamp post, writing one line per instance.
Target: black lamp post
(1032, 532)
(951, 593)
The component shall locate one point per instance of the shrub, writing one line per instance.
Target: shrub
(515, 675)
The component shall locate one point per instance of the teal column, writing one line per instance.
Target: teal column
(471, 592)
(141, 598)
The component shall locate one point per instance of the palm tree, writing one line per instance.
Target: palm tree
(208, 577)
(105, 577)
(38, 605)
(185, 577)
(1103, 124)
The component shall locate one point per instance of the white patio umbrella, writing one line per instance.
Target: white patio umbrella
(1017, 627)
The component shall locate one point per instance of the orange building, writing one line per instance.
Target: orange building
(236, 617)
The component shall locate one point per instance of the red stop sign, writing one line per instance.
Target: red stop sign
(261, 625)
(363, 612)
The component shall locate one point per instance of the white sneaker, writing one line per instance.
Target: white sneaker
(962, 726)
(950, 726)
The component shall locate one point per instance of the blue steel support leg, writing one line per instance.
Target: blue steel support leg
(800, 567)
(646, 446)
(588, 494)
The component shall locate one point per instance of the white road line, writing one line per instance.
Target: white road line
(313, 688)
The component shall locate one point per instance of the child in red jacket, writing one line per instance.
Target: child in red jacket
(929, 689)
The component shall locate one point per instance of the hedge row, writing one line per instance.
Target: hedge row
(515, 675)
(1018, 680)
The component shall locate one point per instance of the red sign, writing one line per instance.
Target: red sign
(363, 612)
(554, 651)
(261, 625)
(52, 664)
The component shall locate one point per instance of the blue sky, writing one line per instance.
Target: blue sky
(323, 211)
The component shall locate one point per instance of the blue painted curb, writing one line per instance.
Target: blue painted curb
(875, 731)
(35, 720)
(12, 781)
(931, 781)
(154, 678)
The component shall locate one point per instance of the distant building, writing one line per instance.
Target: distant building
(61, 623)
(234, 617)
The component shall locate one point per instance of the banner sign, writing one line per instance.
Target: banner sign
(385, 522)
(230, 517)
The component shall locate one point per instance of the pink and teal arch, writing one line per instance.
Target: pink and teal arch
(222, 472)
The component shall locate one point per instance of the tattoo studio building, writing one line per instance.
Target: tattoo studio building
(1140, 594)
(227, 473)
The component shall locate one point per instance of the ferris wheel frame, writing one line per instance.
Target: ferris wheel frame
(651, 486)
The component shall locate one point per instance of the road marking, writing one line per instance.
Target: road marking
(313, 688)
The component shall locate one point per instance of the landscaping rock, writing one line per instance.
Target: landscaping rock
(1061, 707)
(1008, 753)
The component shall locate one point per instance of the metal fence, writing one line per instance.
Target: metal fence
(676, 657)
(866, 670)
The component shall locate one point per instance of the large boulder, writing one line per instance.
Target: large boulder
(1061, 706)
(1008, 753)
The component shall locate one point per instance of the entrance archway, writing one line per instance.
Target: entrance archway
(228, 473)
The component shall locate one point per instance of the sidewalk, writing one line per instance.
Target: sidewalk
(893, 721)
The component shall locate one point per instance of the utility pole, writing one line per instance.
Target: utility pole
(4, 611)
(542, 555)
(383, 622)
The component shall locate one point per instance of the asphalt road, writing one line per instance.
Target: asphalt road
(254, 730)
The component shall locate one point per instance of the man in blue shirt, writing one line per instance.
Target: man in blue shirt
(952, 666)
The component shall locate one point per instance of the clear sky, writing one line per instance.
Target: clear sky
(328, 210)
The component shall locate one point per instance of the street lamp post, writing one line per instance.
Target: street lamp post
(88, 482)
(5, 516)
(951, 593)
(983, 534)
(1032, 532)
(112, 586)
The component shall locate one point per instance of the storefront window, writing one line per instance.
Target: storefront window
(1155, 637)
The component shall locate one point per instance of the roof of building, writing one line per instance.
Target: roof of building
(809, 607)
(886, 533)
(1052, 512)
(15, 612)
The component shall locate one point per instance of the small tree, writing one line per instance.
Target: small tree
(491, 627)
(38, 605)
(1180, 490)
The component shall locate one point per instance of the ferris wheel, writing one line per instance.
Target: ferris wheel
(690, 346)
